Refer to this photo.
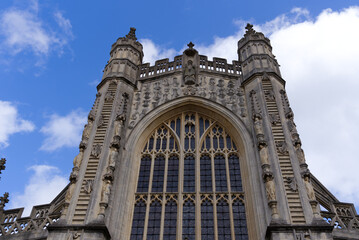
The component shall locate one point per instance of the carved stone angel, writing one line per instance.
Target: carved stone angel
(189, 73)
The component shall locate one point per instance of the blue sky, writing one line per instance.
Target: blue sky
(52, 54)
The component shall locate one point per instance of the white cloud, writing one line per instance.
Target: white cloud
(153, 52)
(63, 131)
(43, 186)
(11, 122)
(23, 31)
(319, 59)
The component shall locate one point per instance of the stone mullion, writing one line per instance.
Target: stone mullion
(180, 171)
(164, 190)
(197, 177)
(148, 203)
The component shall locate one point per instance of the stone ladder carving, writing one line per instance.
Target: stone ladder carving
(295, 205)
(92, 165)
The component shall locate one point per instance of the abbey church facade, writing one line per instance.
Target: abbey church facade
(189, 149)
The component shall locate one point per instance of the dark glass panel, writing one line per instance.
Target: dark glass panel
(193, 145)
(172, 142)
(229, 142)
(158, 174)
(144, 175)
(207, 225)
(208, 142)
(206, 124)
(215, 142)
(239, 220)
(138, 220)
(150, 146)
(188, 223)
(154, 221)
(158, 143)
(189, 174)
(201, 127)
(178, 127)
(235, 173)
(206, 173)
(172, 174)
(220, 173)
(164, 143)
(223, 220)
(173, 126)
(234, 146)
(170, 223)
(221, 142)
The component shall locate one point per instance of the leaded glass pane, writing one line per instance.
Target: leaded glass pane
(154, 220)
(223, 220)
(172, 174)
(220, 173)
(206, 173)
(239, 219)
(235, 173)
(207, 223)
(144, 176)
(189, 174)
(158, 174)
(170, 224)
(138, 220)
(188, 223)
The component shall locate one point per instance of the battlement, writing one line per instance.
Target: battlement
(163, 66)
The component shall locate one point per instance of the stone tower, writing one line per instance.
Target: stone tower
(189, 149)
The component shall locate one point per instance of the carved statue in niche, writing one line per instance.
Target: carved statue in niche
(308, 186)
(92, 115)
(189, 73)
(263, 153)
(242, 102)
(96, 150)
(257, 118)
(78, 159)
(270, 187)
(291, 125)
(119, 123)
(106, 191)
(300, 153)
(86, 132)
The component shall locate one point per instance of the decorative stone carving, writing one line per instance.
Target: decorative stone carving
(100, 122)
(300, 153)
(87, 186)
(270, 187)
(282, 147)
(109, 96)
(87, 131)
(119, 123)
(190, 90)
(96, 150)
(73, 235)
(308, 186)
(106, 191)
(3, 201)
(263, 153)
(292, 183)
(274, 119)
(269, 95)
(78, 159)
(212, 89)
(242, 102)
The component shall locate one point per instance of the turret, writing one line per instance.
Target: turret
(125, 57)
(255, 54)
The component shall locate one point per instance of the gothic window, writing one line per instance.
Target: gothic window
(189, 183)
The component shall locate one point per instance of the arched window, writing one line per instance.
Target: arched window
(189, 184)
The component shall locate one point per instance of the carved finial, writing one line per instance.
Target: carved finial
(2, 164)
(132, 34)
(250, 29)
(4, 200)
(190, 45)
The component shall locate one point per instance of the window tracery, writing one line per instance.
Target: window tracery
(189, 183)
